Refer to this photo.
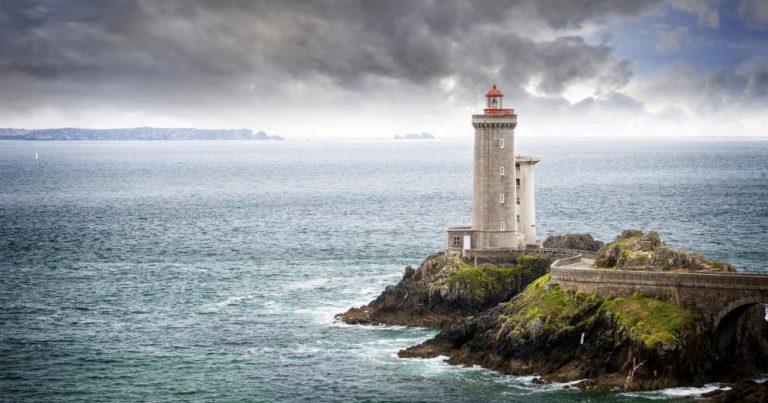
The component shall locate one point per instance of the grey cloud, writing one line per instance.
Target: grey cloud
(187, 53)
(704, 10)
(757, 84)
(613, 101)
(710, 91)
(754, 13)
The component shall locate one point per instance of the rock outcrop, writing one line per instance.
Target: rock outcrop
(635, 250)
(742, 392)
(506, 315)
(573, 241)
(623, 343)
(445, 289)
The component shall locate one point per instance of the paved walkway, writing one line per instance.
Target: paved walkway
(583, 264)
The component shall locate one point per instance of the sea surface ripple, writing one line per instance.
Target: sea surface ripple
(201, 271)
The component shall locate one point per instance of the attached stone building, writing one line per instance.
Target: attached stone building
(503, 202)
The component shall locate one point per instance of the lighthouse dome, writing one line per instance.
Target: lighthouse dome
(493, 92)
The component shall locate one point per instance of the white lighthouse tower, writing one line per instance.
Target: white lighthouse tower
(503, 206)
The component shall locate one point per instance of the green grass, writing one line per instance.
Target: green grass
(648, 320)
(546, 309)
(541, 309)
(485, 279)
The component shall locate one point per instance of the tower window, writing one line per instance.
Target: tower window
(518, 218)
(501, 143)
(503, 226)
(517, 166)
(517, 182)
(501, 170)
(518, 200)
(501, 197)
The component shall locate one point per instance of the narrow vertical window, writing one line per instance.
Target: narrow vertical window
(501, 143)
(518, 200)
(517, 182)
(501, 197)
(518, 218)
(501, 170)
(503, 226)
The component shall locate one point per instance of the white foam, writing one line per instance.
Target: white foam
(760, 379)
(766, 311)
(235, 300)
(692, 391)
(304, 349)
(260, 350)
(679, 392)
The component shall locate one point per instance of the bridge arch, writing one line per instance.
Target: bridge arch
(726, 320)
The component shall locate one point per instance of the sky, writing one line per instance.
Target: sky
(374, 69)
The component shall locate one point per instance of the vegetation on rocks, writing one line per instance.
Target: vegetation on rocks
(445, 289)
(542, 309)
(505, 314)
(618, 343)
(650, 321)
(635, 250)
(487, 278)
(580, 241)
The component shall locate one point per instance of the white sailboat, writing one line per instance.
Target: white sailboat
(37, 158)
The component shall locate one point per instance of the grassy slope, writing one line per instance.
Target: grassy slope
(541, 309)
(483, 279)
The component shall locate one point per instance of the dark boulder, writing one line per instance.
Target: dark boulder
(573, 241)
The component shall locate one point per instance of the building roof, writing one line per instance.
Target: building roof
(526, 159)
(493, 92)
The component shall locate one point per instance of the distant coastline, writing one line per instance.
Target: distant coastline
(137, 133)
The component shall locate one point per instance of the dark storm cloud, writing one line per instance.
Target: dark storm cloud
(149, 52)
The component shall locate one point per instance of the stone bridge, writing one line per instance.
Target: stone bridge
(721, 297)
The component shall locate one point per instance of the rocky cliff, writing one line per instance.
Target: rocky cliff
(622, 343)
(507, 316)
(573, 241)
(635, 250)
(445, 289)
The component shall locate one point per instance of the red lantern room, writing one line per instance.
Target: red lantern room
(493, 103)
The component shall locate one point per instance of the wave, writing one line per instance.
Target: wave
(679, 392)
(229, 301)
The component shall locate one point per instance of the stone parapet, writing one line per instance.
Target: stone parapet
(715, 295)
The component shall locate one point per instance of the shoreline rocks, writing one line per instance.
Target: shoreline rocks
(579, 241)
(565, 337)
(445, 289)
(635, 250)
(505, 315)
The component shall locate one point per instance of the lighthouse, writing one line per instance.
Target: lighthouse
(503, 203)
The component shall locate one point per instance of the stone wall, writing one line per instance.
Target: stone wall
(502, 253)
(712, 294)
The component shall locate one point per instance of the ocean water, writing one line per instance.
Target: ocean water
(199, 271)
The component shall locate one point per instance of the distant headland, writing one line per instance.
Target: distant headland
(414, 136)
(136, 133)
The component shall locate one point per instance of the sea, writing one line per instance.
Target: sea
(212, 270)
